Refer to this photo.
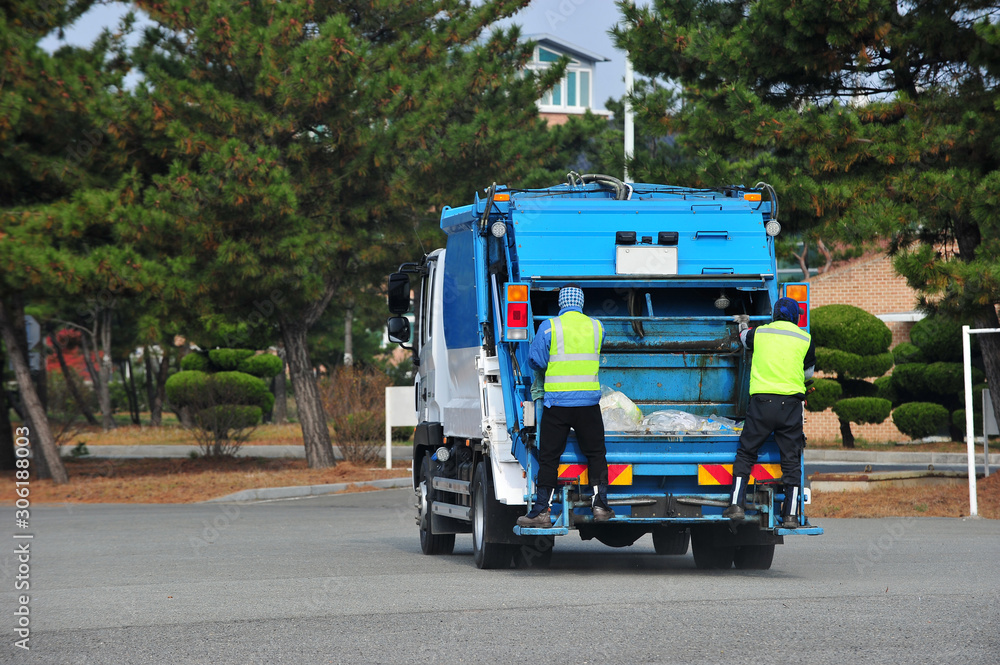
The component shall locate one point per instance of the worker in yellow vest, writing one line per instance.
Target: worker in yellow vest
(567, 348)
(784, 358)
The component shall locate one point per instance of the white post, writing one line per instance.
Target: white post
(970, 443)
(629, 121)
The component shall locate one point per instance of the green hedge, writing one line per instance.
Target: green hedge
(851, 329)
(188, 387)
(905, 352)
(920, 419)
(229, 359)
(851, 365)
(863, 409)
(263, 365)
(195, 362)
(826, 392)
(939, 339)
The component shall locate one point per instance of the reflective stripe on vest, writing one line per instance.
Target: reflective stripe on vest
(574, 354)
(779, 353)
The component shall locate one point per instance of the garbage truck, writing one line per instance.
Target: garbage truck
(671, 273)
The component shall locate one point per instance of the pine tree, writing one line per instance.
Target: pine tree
(873, 120)
(282, 149)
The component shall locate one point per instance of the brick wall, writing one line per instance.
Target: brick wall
(870, 283)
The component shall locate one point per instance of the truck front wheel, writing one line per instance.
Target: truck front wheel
(430, 543)
(485, 515)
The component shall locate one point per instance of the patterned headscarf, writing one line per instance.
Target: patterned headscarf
(570, 296)
(786, 309)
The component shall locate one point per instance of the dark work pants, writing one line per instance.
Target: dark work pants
(586, 421)
(781, 414)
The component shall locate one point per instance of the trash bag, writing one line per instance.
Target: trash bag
(620, 414)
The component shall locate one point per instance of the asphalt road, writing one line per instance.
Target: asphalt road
(341, 580)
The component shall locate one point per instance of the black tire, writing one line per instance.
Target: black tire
(754, 557)
(671, 541)
(535, 553)
(707, 554)
(430, 543)
(485, 513)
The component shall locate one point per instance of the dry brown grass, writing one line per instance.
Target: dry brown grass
(186, 480)
(932, 501)
(132, 435)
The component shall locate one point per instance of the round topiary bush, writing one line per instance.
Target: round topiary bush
(905, 352)
(845, 364)
(195, 362)
(851, 329)
(885, 389)
(263, 365)
(229, 359)
(188, 387)
(863, 409)
(920, 419)
(938, 338)
(826, 392)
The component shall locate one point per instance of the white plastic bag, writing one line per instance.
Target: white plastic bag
(620, 414)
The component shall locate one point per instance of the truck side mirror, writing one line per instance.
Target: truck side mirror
(399, 294)
(398, 328)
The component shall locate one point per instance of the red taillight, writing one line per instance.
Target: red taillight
(517, 315)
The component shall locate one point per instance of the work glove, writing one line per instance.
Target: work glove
(538, 386)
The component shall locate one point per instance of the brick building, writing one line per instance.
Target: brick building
(868, 282)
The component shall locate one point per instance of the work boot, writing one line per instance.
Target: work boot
(539, 516)
(542, 520)
(735, 510)
(600, 506)
(790, 508)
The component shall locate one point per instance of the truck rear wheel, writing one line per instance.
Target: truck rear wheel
(754, 557)
(430, 543)
(485, 516)
(671, 541)
(708, 554)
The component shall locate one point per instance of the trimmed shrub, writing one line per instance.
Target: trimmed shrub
(851, 329)
(909, 379)
(939, 339)
(195, 362)
(885, 389)
(863, 409)
(905, 352)
(263, 365)
(825, 393)
(851, 365)
(920, 419)
(229, 359)
(188, 388)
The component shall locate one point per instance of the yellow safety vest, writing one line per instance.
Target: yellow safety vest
(779, 351)
(574, 353)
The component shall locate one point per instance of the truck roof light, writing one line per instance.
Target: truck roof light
(624, 237)
(517, 293)
(498, 229)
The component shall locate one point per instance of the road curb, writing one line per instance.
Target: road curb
(299, 491)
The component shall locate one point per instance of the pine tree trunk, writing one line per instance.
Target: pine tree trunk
(7, 457)
(349, 335)
(315, 434)
(40, 435)
(279, 415)
(846, 434)
(71, 384)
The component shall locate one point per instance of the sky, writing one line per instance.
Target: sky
(584, 23)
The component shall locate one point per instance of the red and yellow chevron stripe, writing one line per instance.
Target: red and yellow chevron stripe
(618, 474)
(722, 474)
